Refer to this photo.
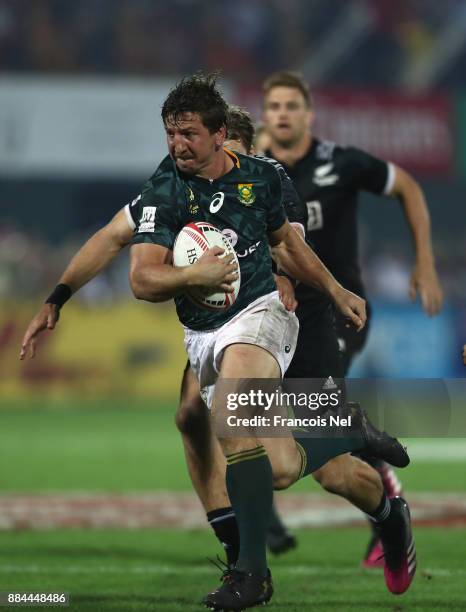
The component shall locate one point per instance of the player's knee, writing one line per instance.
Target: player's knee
(283, 476)
(191, 417)
(282, 481)
(286, 464)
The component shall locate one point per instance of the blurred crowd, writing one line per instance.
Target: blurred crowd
(30, 267)
(246, 38)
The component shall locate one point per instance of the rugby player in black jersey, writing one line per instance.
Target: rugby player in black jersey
(328, 179)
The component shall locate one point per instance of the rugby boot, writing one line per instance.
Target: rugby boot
(374, 554)
(398, 546)
(378, 444)
(239, 591)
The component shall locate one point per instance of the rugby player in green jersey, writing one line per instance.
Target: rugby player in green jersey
(249, 470)
(255, 337)
(205, 461)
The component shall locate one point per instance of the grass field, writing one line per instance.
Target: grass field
(114, 447)
(167, 571)
(118, 447)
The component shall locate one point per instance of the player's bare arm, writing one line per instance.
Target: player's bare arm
(298, 260)
(153, 277)
(464, 354)
(284, 285)
(98, 252)
(95, 255)
(424, 279)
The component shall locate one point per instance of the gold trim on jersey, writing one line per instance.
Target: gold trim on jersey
(233, 156)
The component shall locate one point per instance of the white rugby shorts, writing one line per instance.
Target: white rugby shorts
(265, 323)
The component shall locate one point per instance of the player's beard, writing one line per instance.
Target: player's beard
(286, 143)
(286, 139)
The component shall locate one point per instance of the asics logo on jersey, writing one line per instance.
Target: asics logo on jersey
(322, 176)
(217, 202)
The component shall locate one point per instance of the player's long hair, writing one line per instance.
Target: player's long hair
(197, 94)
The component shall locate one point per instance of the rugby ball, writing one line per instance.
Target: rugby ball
(194, 240)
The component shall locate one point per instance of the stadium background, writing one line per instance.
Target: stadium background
(80, 92)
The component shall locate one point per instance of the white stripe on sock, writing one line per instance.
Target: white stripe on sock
(383, 514)
(221, 518)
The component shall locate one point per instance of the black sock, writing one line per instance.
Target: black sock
(250, 487)
(382, 512)
(315, 452)
(386, 523)
(223, 522)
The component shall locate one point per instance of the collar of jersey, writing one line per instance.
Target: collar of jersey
(236, 164)
(233, 156)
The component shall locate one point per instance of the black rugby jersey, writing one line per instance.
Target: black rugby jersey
(328, 179)
(290, 198)
(246, 204)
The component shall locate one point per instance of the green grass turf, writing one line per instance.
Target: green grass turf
(166, 571)
(116, 446)
(92, 447)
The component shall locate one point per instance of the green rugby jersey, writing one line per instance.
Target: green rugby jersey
(245, 204)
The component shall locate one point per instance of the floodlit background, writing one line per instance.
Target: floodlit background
(81, 86)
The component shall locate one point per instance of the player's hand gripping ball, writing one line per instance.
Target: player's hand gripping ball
(190, 244)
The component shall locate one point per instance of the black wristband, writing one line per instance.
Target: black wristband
(59, 295)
